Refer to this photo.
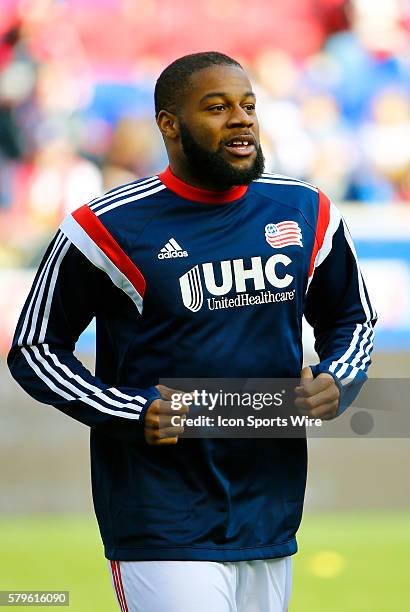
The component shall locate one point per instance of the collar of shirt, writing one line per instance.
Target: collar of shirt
(201, 195)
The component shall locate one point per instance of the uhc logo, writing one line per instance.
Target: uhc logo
(234, 276)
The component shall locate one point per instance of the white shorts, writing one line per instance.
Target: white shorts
(202, 586)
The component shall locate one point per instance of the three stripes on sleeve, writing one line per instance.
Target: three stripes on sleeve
(51, 371)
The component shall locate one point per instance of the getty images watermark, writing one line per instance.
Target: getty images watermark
(265, 408)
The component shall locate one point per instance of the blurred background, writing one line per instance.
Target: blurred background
(332, 79)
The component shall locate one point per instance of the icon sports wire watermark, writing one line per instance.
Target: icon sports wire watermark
(265, 408)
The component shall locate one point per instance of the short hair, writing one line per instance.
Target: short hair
(174, 79)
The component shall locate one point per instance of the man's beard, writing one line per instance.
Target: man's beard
(213, 168)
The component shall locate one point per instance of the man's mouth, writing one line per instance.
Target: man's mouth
(241, 146)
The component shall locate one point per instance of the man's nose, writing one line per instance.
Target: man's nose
(239, 116)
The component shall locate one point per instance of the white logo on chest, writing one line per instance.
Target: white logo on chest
(233, 274)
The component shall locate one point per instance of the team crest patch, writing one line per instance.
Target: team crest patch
(283, 234)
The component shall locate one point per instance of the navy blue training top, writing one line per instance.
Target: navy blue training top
(185, 282)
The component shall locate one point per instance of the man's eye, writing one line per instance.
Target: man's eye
(218, 107)
(249, 107)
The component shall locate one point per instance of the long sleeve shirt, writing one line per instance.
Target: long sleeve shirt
(185, 282)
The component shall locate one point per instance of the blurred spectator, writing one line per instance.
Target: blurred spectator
(334, 157)
(16, 85)
(133, 152)
(61, 181)
(385, 138)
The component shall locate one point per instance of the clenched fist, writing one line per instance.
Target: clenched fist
(158, 428)
(318, 397)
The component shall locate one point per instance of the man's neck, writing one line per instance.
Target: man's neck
(183, 174)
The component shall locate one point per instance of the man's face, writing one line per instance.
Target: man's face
(219, 129)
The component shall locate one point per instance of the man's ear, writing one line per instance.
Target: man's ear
(168, 124)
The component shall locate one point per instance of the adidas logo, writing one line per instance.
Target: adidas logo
(172, 250)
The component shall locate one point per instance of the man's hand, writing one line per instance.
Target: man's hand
(317, 397)
(158, 428)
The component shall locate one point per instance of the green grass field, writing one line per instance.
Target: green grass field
(347, 563)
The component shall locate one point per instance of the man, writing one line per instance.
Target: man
(193, 524)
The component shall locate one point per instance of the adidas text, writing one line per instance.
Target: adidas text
(170, 254)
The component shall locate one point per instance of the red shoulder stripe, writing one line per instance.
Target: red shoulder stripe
(102, 238)
(323, 218)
